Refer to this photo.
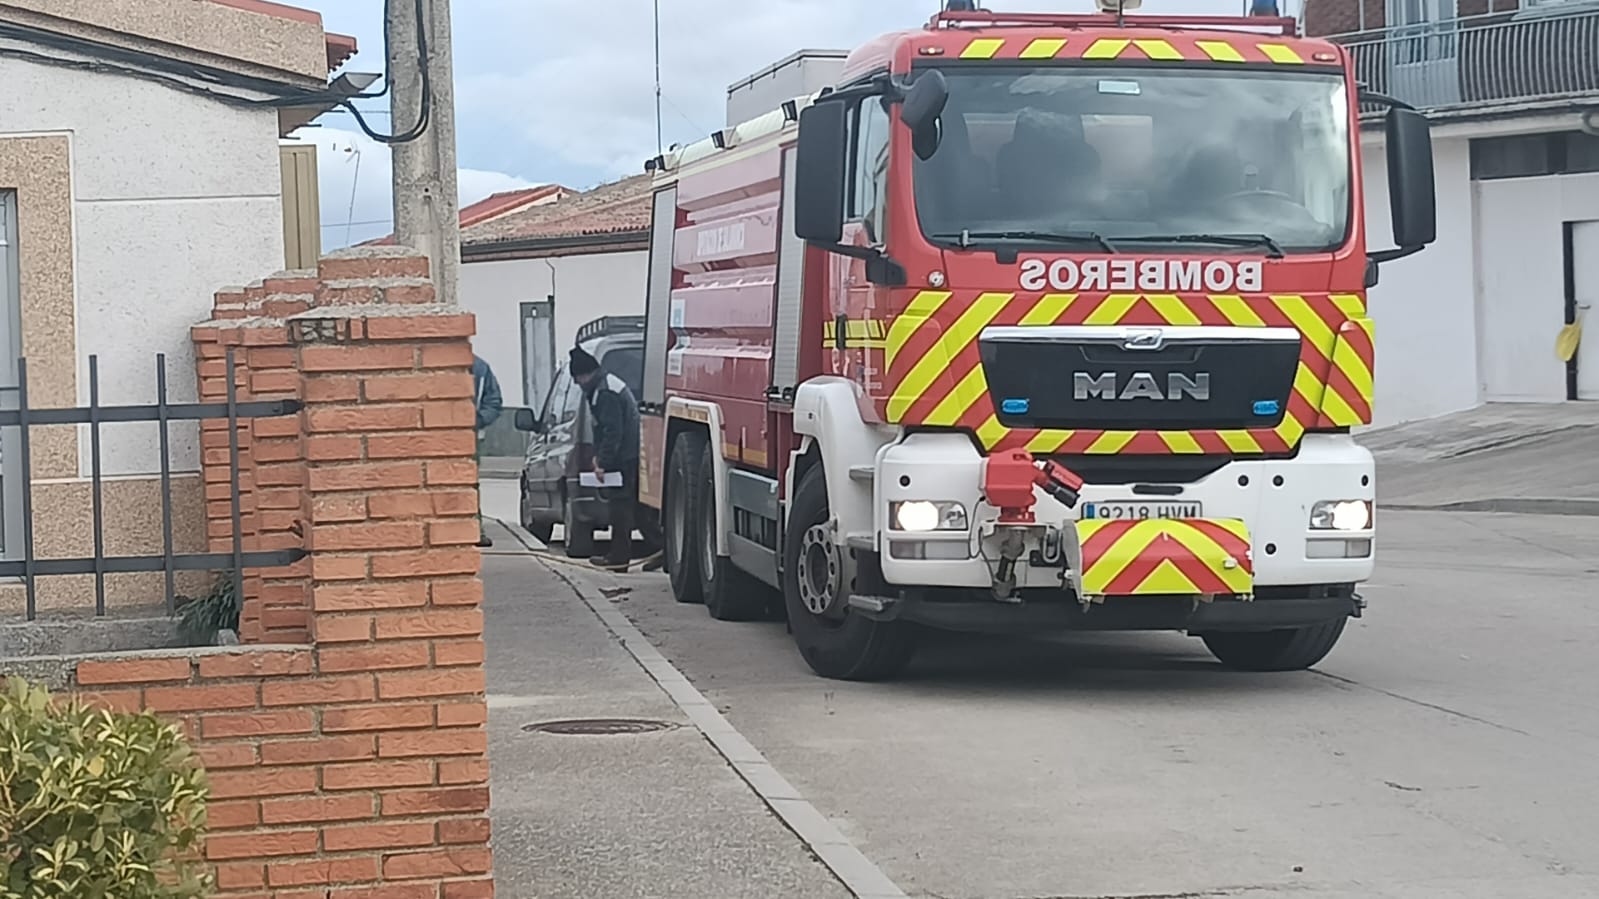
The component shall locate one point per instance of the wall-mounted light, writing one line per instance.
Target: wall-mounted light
(719, 138)
(790, 111)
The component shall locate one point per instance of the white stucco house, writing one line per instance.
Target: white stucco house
(139, 173)
(1512, 90)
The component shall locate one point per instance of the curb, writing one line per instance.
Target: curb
(853, 869)
(1516, 505)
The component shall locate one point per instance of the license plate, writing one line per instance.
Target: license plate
(1138, 511)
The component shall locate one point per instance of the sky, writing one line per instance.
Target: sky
(562, 91)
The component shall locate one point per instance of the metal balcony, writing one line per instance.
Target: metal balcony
(1497, 59)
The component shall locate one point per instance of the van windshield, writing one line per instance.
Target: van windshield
(1154, 157)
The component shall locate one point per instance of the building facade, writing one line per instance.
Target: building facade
(1512, 89)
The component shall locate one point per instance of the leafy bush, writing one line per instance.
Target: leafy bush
(94, 804)
(202, 618)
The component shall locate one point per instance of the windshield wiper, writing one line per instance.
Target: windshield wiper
(965, 238)
(1233, 240)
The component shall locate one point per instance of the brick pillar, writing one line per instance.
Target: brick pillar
(250, 322)
(391, 489)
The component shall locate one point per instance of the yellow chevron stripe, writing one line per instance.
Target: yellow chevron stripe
(983, 48)
(1048, 442)
(921, 308)
(1044, 48)
(1220, 51)
(991, 431)
(1158, 49)
(1282, 54)
(1350, 304)
(1181, 442)
(1110, 443)
(1338, 410)
(1350, 363)
(1172, 309)
(1308, 322)
(1112, 309)
(1049, 308)
(1237, 311)
(950, 409)
(1309, 384)
(934, 363)
(1107, 48)
(1240, 442)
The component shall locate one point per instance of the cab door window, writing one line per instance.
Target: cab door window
(556, 399)
(868, 193)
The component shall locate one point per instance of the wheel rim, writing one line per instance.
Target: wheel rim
(679, 525)
(820, 572)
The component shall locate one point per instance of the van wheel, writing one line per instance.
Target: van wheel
(579, 537)
(677, 524)
(730, 593)
(543, 530)
(836, 641)
(1293, 649)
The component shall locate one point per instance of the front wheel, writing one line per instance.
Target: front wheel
(835, 640)
(1293, 649)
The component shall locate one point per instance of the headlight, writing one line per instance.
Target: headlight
(922, 516)
(1341, 515)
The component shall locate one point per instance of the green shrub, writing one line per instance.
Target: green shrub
(95, 804)
(202, 618)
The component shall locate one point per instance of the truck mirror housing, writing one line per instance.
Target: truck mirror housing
(819, 172)
(924, 104)
(1411, 190)
(527, 421)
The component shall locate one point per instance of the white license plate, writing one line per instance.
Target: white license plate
(1138, 511)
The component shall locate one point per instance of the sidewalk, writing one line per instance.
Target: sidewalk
(643, 816)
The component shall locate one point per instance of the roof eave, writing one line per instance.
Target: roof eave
(533, 247)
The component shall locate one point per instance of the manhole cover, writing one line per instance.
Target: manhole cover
(599, 727)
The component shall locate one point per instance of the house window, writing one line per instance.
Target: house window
(1532, 155)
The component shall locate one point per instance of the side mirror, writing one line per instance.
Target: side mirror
(819, 173)
(924, 104)
(1411, 190)
(528, 420)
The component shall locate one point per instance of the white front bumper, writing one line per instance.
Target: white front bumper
(1272, 497)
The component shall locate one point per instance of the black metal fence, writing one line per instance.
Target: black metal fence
(30, 567)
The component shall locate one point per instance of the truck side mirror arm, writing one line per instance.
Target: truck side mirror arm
(1411, 189)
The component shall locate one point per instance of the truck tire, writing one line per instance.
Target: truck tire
(579, 537)
(1294, 649)
(680, 514)
(730, 593)
(840, 643)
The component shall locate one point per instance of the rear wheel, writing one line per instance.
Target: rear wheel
(677, 524)
(835, 640)
(730, 593)
(579, 536)
(1284, 650)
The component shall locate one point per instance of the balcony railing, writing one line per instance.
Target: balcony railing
(1494, 59)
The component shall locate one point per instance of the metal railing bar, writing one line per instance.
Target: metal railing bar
(95, 486)
(148, 564)
(162, 422)
(233, 478)
(175, 412)
(25, 450)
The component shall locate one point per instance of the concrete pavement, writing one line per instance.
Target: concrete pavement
(1445, 749)
(647, 816)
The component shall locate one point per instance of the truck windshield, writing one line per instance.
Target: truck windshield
(1140, 158)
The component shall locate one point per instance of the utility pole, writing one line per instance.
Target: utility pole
(426, 206)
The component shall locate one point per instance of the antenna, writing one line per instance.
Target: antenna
(659, 140)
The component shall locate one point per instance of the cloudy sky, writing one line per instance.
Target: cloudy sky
(563, 90)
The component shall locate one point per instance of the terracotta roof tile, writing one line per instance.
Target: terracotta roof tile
(492, 207)
(619, 207)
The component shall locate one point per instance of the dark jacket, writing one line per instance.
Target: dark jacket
(615, 422)
(485, 393)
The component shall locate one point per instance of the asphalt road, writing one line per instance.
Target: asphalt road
(1448, 748)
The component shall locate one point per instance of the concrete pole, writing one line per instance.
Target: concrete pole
(426, 205)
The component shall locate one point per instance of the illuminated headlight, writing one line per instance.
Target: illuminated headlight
(922, 516)
(1341, 515)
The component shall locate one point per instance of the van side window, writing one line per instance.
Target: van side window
(570, 401)
(556, 398)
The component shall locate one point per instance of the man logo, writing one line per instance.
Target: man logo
(1141, 386)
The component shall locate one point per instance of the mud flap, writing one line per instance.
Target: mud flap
(1166, 557)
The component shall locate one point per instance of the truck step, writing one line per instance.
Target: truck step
(865, 542)
(870, 603)
(866, 474)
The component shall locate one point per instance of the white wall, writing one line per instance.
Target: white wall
(1423, 305)
(174, 197)
(1521, 280)
(585, 288)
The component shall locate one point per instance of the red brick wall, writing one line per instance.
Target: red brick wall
(346, 740)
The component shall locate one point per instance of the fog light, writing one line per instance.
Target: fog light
(1337, 549)
(921, 516)
(1341, 515)
(928, 550)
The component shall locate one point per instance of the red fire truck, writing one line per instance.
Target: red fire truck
(1032, 321)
